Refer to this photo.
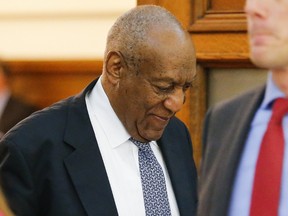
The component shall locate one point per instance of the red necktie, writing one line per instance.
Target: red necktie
(268, 173)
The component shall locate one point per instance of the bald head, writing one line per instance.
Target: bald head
(149, 65)
(132, 31)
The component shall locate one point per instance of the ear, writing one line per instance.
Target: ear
(114, 66)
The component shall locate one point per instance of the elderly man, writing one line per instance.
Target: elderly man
(116, 148)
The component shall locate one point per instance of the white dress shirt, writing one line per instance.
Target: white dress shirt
(242, 190)
(120, 156)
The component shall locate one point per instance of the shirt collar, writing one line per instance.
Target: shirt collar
(272, 92)
(110, 123)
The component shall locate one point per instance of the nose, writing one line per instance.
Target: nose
(256, 8)
(175, 101)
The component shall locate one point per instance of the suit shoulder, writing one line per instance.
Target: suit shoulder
(41, 122)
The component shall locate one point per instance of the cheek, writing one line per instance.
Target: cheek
(281, 49)
(135, 102)
(140, 100)
(143, 97)
(144, 107)
(142, 104)
(285, 35)
(280, 19)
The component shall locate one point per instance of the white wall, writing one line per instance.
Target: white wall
(57, 29)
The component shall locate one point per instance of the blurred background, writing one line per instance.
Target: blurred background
(54, 48)
(57, 29)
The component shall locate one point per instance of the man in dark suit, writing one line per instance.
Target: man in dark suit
(12, 109)
(77, 157)
(244, 166)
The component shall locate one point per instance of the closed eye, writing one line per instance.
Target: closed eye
(165, 89)
(187, 86)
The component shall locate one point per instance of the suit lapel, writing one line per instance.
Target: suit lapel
(176, 163)
(229, 157)
(85, 165)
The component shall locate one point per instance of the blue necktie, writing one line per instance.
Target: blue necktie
(153, 181)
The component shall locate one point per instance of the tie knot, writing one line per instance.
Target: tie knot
(141, 145)
(280, 108)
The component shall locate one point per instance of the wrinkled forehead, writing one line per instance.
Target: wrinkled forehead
(168, 36)
(165, 65)
(169, 41)
(167, 49)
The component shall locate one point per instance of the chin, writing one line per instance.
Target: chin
(261, 61)
(260, 64)
(153, 135)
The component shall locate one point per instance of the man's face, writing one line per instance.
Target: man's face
(154, 94)
(268, 32)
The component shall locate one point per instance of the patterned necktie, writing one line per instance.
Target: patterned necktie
(268, 173)
(153, 181)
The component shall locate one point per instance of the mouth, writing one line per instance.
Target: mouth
(260, 33)
(259, 39)
(160, 122)
(162, 118)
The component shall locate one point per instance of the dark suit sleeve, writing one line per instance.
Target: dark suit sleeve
(17, 181)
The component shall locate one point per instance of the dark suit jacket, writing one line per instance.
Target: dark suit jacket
(55, 166)
(15, 111)
(225, 131)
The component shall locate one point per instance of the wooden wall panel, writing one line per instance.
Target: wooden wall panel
(226, 5)
(45, 82)
(217, 16)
